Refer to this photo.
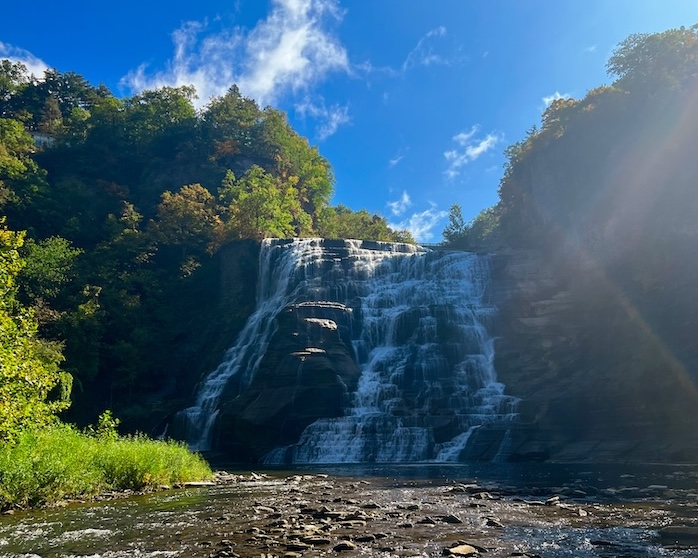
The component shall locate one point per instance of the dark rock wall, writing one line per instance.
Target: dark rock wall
(598, 374)
(604, 371)
(307, 373)
(225, 297)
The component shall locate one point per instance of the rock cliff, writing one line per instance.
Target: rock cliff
(597, 377)
(307, 373)
(604, 366)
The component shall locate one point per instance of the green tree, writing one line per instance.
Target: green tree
(650, 62)
(49, 267)
(33, 389)
(189, 219)
(259, 205)
(13, 76)
(456, 232)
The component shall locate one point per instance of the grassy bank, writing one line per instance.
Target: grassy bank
(59, 462)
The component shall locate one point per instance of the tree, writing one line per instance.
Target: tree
(13, 76)
(647, 62)
(456, 232)
(33, 389)
(342, 222)
(259, 205)
(49, 267)
(189, 219)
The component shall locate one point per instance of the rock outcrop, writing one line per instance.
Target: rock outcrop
(307, 373)
(597, 378)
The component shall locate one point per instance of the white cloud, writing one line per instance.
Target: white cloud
(467, 150)
(329, 118)
(421, 225)
(289, 51)
(423, 54)
(591, 48)
(398, 207)
(35, 66)
(395, 160)
(547, 101)
(399, 156)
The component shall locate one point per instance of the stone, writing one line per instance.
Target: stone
(342, 546)
(462, 550)
(307, 373)
(316, 540)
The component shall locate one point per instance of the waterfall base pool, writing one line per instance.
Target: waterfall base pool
(417, 510)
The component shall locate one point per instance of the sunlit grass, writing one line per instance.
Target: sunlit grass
(59, 462)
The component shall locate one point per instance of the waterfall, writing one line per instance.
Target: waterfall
(421, 341)
(278, 262)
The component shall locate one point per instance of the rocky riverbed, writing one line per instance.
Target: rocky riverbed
(297, 515)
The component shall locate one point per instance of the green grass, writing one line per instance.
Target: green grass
(59, 462)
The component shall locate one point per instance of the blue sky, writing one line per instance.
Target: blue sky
(413, 102)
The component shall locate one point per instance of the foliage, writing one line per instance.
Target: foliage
(47, 465)
(456, 232)
(342, 222)
(652, 62)
(50, 266)
(126, 204)
(33, 389)
(481, 232)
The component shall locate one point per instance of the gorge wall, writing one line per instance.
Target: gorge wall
(606, 370)
(602, 372)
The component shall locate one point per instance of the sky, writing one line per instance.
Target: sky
(413, 102)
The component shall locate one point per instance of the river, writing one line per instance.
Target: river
(412, 510)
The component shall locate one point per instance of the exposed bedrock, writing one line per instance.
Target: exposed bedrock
(307, 373)
(603, 372)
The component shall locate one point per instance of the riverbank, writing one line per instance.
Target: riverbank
(55, 464)
(296, 515)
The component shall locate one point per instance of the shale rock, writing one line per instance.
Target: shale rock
(307, 373)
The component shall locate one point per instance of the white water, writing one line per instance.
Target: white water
(277, 264)
(426, 357)
(426, 360)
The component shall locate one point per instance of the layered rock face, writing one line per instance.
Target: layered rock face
(597, 377)
(307, 373)
(357, 352)
(375, 352)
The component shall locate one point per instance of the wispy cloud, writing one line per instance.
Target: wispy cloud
(329, 118)
(424, 53)
(288, 52)
(468, 148)
(548, 100)
(398, 207)
(421, 224)
(395, 160)
(590, 48)
(399, 156)
(34, 65)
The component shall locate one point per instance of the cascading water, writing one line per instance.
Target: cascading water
(278, 262)
(419, 337)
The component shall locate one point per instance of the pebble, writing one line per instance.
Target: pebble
(344, 545)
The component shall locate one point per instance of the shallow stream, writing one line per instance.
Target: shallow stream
(415, 510)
